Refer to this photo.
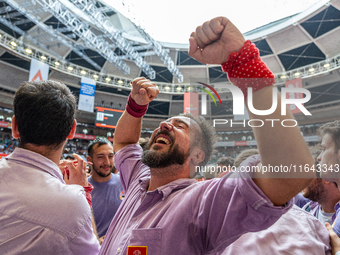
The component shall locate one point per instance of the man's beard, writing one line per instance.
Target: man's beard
(173, 156)
(101, 174)
(316, 191)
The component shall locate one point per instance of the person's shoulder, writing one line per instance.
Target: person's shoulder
(297, 209)
(129, 158)
(300, 221)
(297, 216)
(115, 176)
(90, 180)
(114, 180)
(71, 206)
(301, 214)
(129, 150)
(67, 198)
(56, 206)
(73, 193)
(208, 186)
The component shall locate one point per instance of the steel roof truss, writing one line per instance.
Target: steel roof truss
(24, 34)
(82, 30)
(51, 32)
(103, 23)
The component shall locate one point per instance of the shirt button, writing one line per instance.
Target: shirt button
(118, 250)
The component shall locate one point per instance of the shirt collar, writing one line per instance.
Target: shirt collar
(166, 189)
(337, 206)
(27, 157)
(313, 205)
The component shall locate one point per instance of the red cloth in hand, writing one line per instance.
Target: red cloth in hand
(88, 190)
(246, 69)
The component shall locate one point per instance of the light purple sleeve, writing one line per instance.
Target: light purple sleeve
(230, 207)
(128, 163)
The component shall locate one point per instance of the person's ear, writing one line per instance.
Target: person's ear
(89, 159)
(15, 130)
(197, 156)
(73, 130)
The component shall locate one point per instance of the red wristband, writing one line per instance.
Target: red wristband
(246, 69)
(134, 109)
(88, 190)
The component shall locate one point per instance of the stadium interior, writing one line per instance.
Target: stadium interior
(90, 39)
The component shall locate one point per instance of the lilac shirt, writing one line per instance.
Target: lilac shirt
(296, 232)
(184, 217)
(39, 213)
(314, 208)
(105, 202)
(336, 219)
(300, 200)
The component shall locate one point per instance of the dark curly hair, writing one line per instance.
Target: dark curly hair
(206, 138)
(96, 143)
(45, 112)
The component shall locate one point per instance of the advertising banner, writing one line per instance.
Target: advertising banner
(86, 96)
(191, 103)
(38, 71)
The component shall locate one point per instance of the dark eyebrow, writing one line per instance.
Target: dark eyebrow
(102, 154)
(181, 121)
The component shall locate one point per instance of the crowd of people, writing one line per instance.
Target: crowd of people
(79, 146)
(153, 204)
(8, 145)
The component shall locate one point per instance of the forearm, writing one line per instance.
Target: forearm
(127, 131)
(130, 123)
(279, 144)
(218, 41)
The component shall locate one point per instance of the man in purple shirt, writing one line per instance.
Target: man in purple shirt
(329, 168)
(166, 212)
(324, 196)
(296, 232)
(39, 213)
(106, 185)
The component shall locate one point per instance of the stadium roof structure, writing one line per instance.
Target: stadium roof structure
(89, 38)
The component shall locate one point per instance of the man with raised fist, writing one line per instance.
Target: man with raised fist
(167, 212)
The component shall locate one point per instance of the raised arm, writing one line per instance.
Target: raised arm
(130, 123)
(212, 43)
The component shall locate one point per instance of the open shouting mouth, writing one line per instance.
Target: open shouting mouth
(163, 139)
